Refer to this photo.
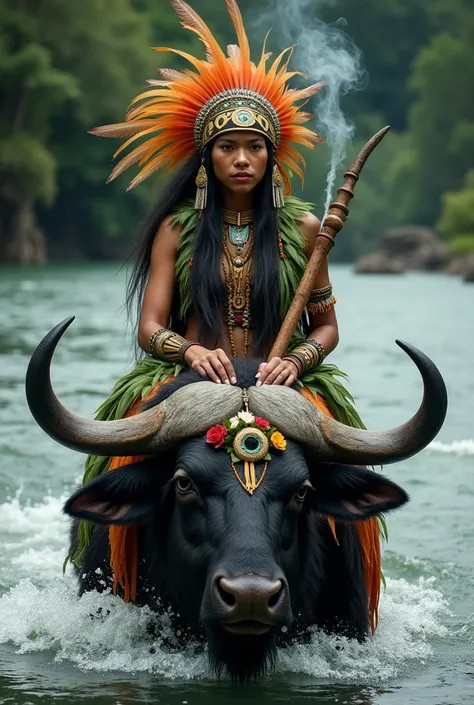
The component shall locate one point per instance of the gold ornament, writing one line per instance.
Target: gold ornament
(201, 193)
(278, 199)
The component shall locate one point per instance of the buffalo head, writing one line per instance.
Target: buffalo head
(241, 569)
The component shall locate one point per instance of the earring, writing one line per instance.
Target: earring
(278, 199)
(201, 193)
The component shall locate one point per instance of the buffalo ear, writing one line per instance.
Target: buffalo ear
(353, 493)
(127, 495)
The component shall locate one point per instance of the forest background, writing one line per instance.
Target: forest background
(68, 66)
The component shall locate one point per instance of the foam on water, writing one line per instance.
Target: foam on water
(33, 540)
(409, 617)
(455, 448)
(100, 632)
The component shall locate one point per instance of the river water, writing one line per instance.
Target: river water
(51, 651)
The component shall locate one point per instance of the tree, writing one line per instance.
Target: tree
(457, 218)
(32, 88)
(441, 134)
(56, 61)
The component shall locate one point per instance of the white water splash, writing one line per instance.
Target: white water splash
(409, 618)
(102, 633)
(455, 448)
(99, 632)
(33, 540)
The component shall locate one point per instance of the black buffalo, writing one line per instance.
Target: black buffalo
(243, 572)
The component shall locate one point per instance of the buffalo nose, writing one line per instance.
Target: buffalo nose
(248, 597)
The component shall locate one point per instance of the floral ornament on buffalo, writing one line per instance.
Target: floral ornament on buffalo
(248, 439)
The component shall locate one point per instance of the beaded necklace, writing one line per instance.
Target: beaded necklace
(238, 273)
(239, 225)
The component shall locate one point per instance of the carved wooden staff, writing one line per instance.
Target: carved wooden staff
(333, 223)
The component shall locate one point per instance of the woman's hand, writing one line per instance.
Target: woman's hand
(213, 364)
(277, 371)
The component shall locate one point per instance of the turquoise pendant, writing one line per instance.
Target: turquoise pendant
(239, 234)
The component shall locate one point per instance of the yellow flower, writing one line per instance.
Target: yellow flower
(278, 440)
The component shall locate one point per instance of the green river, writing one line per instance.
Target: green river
(51, 651)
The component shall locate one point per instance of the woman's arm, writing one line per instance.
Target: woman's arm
(157, 302)
(324, 328)
(158, 297)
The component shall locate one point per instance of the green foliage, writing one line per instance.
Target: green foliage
(27, 169)
(461, 245)
(66, 67)
(441, 120)
(457, 219)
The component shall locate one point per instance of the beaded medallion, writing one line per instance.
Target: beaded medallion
(239, 234)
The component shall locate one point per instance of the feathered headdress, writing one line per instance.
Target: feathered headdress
(182, 113)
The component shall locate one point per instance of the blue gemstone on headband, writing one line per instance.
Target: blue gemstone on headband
(244, 117)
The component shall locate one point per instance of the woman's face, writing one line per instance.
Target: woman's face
(239, 159)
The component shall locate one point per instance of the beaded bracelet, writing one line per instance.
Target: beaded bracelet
(321, 300)
(317, 345)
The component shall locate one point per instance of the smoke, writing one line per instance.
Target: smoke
(325, 53)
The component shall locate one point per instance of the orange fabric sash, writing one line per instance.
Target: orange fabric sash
(124, 539)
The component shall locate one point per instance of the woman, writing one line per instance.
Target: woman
(225, 247)
(239, 166)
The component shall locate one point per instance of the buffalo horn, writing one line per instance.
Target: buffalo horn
(333, 441)
(142, 434)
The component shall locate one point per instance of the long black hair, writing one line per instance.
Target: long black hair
(207, 290)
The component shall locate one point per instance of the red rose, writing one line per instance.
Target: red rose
(216, 435)
(263, 423)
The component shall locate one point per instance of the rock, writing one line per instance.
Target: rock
(20, 239)
(461, 266)
(468, 271)
(378, 263)
(411, 247)
(469, 276)
(415, 247)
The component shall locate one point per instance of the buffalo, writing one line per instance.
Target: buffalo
(242, 572)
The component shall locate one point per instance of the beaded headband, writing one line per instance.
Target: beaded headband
(236, 109)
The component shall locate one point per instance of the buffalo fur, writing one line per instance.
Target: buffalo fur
(245, 372)
(220, 530)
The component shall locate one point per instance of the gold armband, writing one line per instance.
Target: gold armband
(307, 356)
(167, 345)
(321, 300)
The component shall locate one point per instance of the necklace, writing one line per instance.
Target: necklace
(238, 218)
(238, 225)
(237, 272)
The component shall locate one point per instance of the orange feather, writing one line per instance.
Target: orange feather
(191, 20)
(236, 17)
(121, 129)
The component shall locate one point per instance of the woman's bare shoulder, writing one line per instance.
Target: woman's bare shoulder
(168, 234)
(310, 226)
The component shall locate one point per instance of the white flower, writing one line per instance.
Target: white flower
(234, 421)
(246, 416)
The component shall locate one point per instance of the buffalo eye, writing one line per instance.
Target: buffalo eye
(302, 491)
(183, 483)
